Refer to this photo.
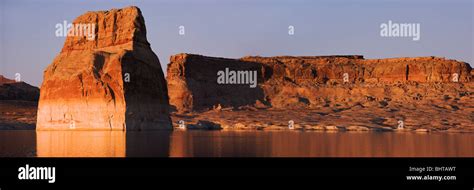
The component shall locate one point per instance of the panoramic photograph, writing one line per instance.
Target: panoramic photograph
(360, 80)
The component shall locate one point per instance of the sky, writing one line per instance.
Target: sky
(237, 28)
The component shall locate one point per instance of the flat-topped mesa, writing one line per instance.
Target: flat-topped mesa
(112, 81)
(332, 68)
(307, 81)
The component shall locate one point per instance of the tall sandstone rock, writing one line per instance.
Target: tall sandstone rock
(311, 81)
(87, 87)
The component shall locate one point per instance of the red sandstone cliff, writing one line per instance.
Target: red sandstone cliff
(308, 82)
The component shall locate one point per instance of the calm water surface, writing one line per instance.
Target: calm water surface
(233, 144)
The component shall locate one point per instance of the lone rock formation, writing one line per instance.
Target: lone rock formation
(106, 80)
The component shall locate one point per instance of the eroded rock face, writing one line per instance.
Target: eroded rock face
(309, 82)
(112, 81)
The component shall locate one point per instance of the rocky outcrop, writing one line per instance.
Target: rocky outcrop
(108, 80)
(13, 90)
(18, 103)
(312, 81)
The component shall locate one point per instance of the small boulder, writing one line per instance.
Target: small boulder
(204, 125)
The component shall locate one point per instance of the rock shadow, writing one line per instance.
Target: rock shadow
(202, 79)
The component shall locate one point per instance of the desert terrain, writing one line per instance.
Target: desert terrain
(115, 81)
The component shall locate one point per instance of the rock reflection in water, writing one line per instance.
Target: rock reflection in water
(80, 143)
(250, 144)
(102, 143)
(148, 143)
(320, 144)
(17, 143)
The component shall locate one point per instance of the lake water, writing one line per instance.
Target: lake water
(233, 144)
